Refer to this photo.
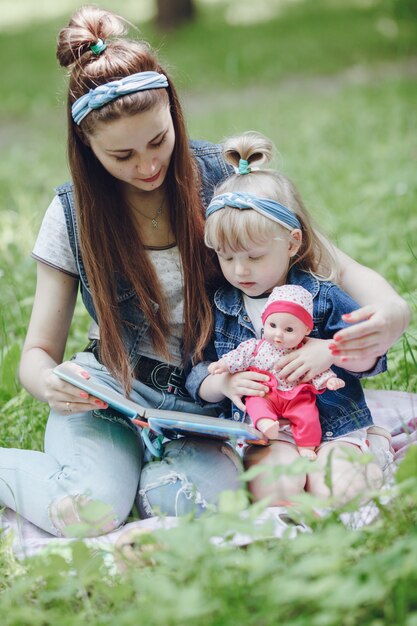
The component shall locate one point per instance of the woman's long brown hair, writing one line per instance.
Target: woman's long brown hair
(111, 245)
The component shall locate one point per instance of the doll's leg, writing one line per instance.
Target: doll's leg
(303, 415)
(349, 477)
(263, 414)
(278, 489)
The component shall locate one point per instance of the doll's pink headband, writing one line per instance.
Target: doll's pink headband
(290, 299)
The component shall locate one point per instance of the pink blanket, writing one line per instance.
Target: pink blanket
(397, 412)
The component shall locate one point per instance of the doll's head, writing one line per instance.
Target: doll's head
(288, 316)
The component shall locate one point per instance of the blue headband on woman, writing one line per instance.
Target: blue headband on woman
(269, 208)
(103, 94)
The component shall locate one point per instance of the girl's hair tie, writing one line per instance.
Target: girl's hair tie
(98, 47)
(244, 167)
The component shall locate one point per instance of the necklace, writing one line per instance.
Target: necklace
(154, 219)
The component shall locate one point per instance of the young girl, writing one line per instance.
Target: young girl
(264, 238)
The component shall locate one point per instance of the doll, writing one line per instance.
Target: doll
(287, 320)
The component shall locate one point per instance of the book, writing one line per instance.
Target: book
(171, 424)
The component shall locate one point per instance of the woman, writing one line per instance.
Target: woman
(129, 231)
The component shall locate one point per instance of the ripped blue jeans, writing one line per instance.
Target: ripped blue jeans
(91, 473)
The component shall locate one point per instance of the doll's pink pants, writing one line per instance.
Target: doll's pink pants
(298, 406)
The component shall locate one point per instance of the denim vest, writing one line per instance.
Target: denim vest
(341, 411)
(213, 170)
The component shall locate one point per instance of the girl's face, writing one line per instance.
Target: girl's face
(136, 150)
(262, 267)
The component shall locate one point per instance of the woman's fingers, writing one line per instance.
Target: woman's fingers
(363, 348)
(364, 332)
(371, 323)
(67, 407)
(368, 337)
(66, 398)
(360, 315)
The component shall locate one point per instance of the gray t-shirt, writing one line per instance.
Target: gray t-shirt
(52, 247)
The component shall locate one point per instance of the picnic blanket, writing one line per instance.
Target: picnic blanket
(396, 411)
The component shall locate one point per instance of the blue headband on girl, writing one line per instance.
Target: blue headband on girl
(269, 208)
(103, 94)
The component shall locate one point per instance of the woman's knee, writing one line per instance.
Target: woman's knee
(189, 478)
(81, 515)
(90, 508)
(93, 489)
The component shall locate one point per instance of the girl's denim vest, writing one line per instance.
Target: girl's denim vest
(341, 411)
(213, 170)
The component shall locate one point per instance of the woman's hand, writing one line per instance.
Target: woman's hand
(65, 398)
(383, 316)
(306, 362)
(235, 386)
(375, 328)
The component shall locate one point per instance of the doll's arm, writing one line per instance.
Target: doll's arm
(240, 358)
(218, 367)
(327, 380)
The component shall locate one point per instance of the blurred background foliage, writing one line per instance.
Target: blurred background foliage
(332, 82)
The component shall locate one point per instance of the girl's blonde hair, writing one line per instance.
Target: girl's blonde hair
(238, 230)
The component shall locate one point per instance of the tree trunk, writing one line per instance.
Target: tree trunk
(173, 13)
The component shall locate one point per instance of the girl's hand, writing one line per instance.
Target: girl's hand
(378, 328)
(306, 362)
(235, 386)
(65, 398)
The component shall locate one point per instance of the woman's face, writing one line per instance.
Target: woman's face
(136, 150)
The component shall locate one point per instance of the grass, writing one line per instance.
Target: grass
(333, 84)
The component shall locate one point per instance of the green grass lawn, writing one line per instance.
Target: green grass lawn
(333, 83)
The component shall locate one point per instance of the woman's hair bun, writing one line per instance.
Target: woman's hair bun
(85, 27)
